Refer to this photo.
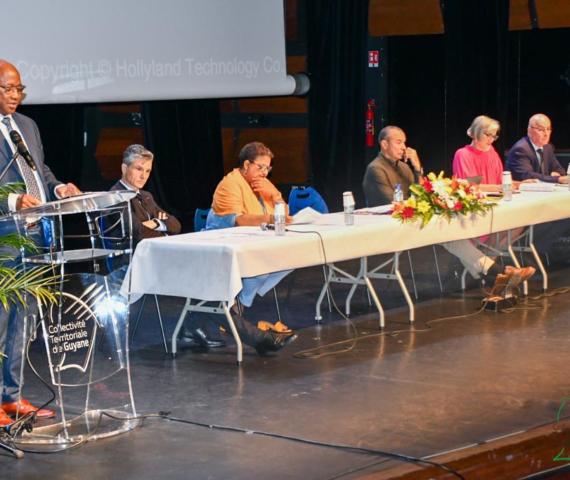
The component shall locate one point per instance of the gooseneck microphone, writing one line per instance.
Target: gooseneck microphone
(22, 149)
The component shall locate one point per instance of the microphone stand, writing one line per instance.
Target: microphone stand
(7, 436)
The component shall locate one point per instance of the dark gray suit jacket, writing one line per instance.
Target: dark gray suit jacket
(523, 162)
(31, 135)
(144, 208)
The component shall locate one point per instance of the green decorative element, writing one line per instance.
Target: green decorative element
(437, 195)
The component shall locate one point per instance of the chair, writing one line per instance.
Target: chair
(111, 231)
(302, 197)
(200, 218)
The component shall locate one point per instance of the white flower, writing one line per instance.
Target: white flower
(439, 187)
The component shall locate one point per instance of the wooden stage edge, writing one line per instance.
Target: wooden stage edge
(516, 456)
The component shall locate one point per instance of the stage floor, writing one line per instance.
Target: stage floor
(439, 385)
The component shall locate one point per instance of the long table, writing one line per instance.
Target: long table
(208, 266)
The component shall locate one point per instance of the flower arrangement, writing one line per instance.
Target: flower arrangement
(438, 195)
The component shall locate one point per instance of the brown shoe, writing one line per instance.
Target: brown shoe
(24, 407)
(520, 274)
(501, 282)
(5, 420)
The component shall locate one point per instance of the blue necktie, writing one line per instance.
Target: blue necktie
(540, 160)
(32, 186)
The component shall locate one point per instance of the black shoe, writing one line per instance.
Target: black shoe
(272, 342)
(197, 338)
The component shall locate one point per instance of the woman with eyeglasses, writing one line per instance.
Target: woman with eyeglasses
(479, 159)
(246, 197)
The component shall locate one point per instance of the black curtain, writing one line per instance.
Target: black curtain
(476, 68)
(336, 58)
(185, 138)
(61, 128)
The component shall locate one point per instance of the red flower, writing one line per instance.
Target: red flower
(428, 187)
(408, 212)
(458, 206)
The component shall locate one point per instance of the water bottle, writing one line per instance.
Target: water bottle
(568, 174)
(507, 186)
(348, 207)
(279, 216)
(398, 193)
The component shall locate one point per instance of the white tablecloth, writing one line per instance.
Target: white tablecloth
(210, 265)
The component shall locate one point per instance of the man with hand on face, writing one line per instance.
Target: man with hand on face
(149, 220)
(40, 186)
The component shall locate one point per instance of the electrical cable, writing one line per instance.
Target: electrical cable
(337, 446)
(351, 448)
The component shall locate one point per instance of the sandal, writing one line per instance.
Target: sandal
(278, 327)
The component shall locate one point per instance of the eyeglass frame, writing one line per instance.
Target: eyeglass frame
(263, 168)
(494, 136)
(542, 129)
(18, 88)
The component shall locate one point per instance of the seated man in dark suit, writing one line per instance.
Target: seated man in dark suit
(150, 221)
(532, 157)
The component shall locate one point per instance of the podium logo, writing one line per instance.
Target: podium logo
(72, 328)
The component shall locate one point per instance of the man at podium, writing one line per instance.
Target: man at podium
(20, 134)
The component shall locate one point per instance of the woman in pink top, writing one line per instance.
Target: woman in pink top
(480, 159)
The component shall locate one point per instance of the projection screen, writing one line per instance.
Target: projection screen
(72, 51)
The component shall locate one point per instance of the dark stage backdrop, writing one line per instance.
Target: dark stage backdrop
(336, 58)
(439, 83)
(61, 129)
(185, 137)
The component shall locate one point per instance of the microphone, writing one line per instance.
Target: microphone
(22, 149)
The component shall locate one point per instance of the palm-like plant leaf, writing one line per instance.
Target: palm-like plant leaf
(16, 282)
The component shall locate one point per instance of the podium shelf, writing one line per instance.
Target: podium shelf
(73, 256)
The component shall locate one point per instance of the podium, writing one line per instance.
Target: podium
(85, 332)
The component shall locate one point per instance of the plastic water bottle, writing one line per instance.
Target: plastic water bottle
(348, 207)
(398, 193)
(279, 216)
(568, 174)
(507, 186)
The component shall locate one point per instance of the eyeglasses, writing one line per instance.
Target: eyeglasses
(263, 168)
(542, 129)
(15, 88)
(494, 136)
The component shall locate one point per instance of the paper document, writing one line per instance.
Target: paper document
(307, 215)
(537, 187)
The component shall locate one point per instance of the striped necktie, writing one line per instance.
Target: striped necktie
(32, 186)
(539, 151)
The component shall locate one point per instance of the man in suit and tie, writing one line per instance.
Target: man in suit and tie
(532, 157)
(40, 186)
(149, 220)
